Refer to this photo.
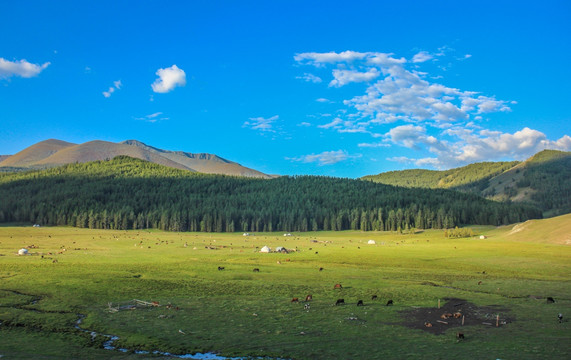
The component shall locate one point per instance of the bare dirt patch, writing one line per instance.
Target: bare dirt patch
(452, 313)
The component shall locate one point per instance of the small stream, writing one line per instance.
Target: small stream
(109, 345)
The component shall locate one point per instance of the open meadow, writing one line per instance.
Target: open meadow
(499, 284)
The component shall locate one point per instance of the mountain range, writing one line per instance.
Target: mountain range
(52, 153)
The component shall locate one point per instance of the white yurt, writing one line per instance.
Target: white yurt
(265, 249)
(371, 242)
(23, 252)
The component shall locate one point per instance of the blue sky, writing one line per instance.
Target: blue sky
(286, 87)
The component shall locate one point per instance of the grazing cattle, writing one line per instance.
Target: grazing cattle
(306, 307)
(338, 286)
(360, 303)
(389, 303)
(308, 297)
(374, 297)
(427, 324)
(296, 300)
(550, 300)
(320, 269)
(339, 302)
(479, 283)
(155, 303)
(560, 317)
(220, 268)
(460, 335)
(457, 315)
(256, 270)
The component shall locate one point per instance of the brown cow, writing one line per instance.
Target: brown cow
(446, 316)
(460, 335)
(457, 315)
(308, 297)
(296, 300)
(338, 286)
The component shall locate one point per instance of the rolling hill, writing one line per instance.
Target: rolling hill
(128, 193)
(543, 180)
(53, 153)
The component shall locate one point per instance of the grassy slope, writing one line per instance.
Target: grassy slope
(218, 307)
(501, 181)
(453, 178)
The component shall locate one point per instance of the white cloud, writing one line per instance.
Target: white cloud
(262, 124)
(152, 118)
(325, 158)
(169, 78)
(314, 58)
(20, 68)
(422, 56)
(309, 78)
(323, 100)
(374, 145)
(304, 123)
(344, 77)
(116, 85)
(443, 122)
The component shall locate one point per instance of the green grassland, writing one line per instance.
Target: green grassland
(238, 312)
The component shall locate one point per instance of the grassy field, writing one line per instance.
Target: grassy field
(74, 272)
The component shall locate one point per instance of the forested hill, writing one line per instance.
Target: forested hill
(543, 180)
(127, 193)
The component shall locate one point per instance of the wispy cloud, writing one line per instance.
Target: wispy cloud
(116, 86)
(325, 158)
(422, 56)
(428, 117)
(20, 68)
(309, 78)
(373, 145)
(153, 118)
(169, 78)
(344, 77)
(262, 124)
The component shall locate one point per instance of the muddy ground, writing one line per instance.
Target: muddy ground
(437, 321)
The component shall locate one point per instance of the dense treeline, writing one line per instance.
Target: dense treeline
(127, 193)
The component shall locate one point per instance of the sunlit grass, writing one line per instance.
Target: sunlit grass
(240, 312)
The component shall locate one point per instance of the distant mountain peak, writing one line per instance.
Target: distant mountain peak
(53, 152)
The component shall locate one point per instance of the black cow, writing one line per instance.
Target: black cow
(360, 303)
(340, 302)
(220, 268)
(374, 297)
(389, 303)
(256, 270)
(550, 300)
(460, 335)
